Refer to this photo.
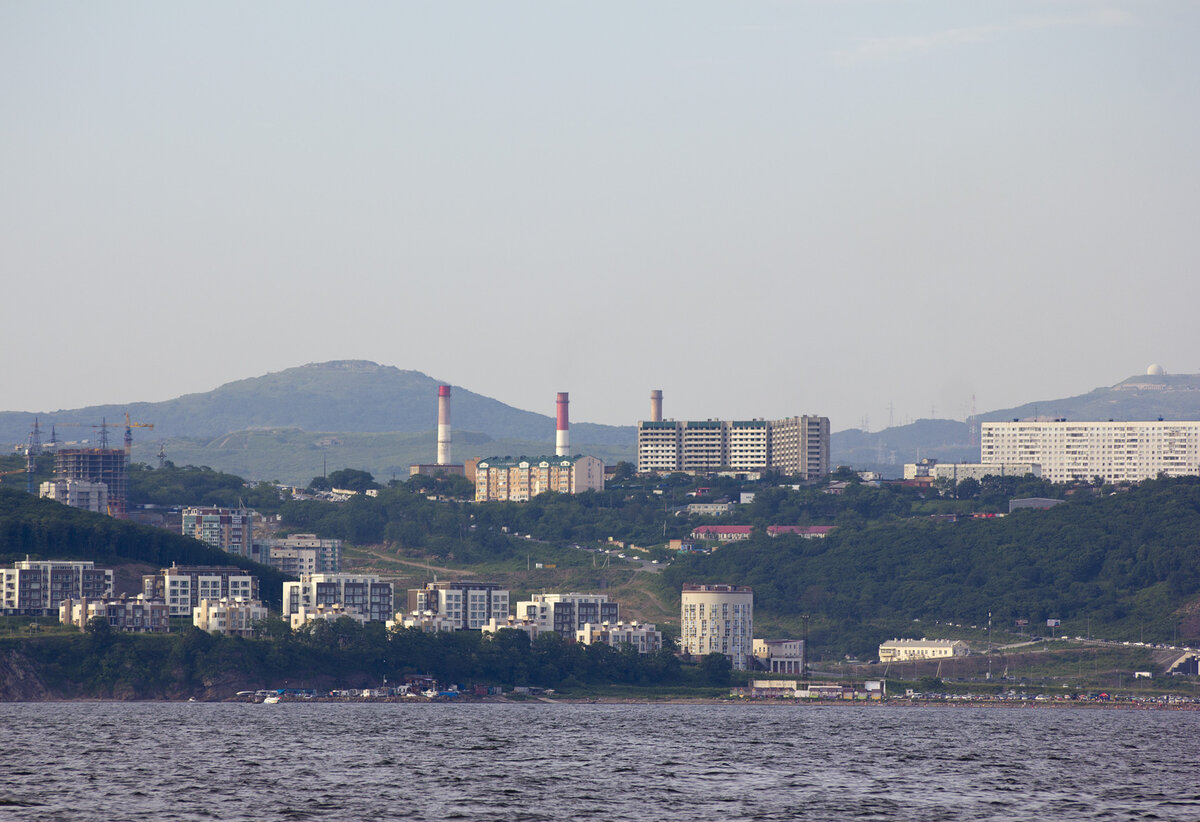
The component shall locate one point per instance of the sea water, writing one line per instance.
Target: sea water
(535, 761)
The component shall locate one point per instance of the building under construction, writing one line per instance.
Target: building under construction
(106, 465)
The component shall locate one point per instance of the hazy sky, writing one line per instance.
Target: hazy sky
(764, 209)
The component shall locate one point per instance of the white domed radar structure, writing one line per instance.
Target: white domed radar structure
(1155, 370)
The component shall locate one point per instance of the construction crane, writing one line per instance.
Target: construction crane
(129, 426)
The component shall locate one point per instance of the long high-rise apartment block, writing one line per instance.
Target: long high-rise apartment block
(797, 446)
(1116, 451)
(519, 480)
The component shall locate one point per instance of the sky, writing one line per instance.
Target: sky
(872, 210)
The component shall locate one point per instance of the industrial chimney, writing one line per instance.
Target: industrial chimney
(443, 429)
(656, 405)
(562, 439)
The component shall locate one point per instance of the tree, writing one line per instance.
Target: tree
(715, 668)
(353, 480)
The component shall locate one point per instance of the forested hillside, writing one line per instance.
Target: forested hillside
(44, 529)
(1129, 563)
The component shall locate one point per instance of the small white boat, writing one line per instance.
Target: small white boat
(270, 700)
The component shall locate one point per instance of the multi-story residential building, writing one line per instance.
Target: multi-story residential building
(229, 616)
(565, 614)
(106, 465)
(796, 446)
(641, 636)
(531, 627)
(1115, 451)
(956, 472)
(129, 614)
(230, 529)
(328, 613)
(779, 656)
(184, 586)
(469, 604)
(305, 554)
(38, 587)
(519, 480)
(426, 621)
(90, 496)
(718, 618)
(905, 650)
(364, 593)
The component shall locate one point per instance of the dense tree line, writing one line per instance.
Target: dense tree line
(341, 654)
(1126, 561)
(192, 485)
(44, 529)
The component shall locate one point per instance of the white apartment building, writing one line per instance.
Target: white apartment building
(184, 586)
(364, 593)
(794, 446)
(328, 613)
(130, 614)
(38, 587)
(426, 621)
(643, 637)
(469, 604)
(230, 529)
(528, 626)
(519, 480)
(565, 614)
(90, 496)
(305, 554)
(956, 472)
(1116, 451)
(907, 650)
(228, 616)
(718, 618)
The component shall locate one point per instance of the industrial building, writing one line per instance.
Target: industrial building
(907, 650)
(796, 446)
(1115, 451)
(444, 467)
(718, 619)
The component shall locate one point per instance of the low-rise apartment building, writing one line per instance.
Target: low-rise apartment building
(565, 614)
(38, 587)
(469, 604)
(183, 586)
(229, 616)
(136, 615)
(643, 637)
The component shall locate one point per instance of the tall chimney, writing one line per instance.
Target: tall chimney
(562, 439)
(443, 431)
(656, 405)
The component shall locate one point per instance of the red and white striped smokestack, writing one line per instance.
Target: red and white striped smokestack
(656, 405)
(443, 431)
(562, 438)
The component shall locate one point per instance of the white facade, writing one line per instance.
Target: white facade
(643, 637)
(718, 618)
(1116, 451)
(794, 445)
(528, 626)
(38, 587)
(956, 472)
(567, 613)
(130, 614)
(90, 496)
(364, 593)
(306, 554)
(469, 604)
(231, 617)
(183, 587)
(780, 656)
(328, 613)
(426, 621)
(905, 650)
(229, 529)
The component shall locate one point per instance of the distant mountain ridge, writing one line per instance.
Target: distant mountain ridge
(1141, 397)
(337, 396)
